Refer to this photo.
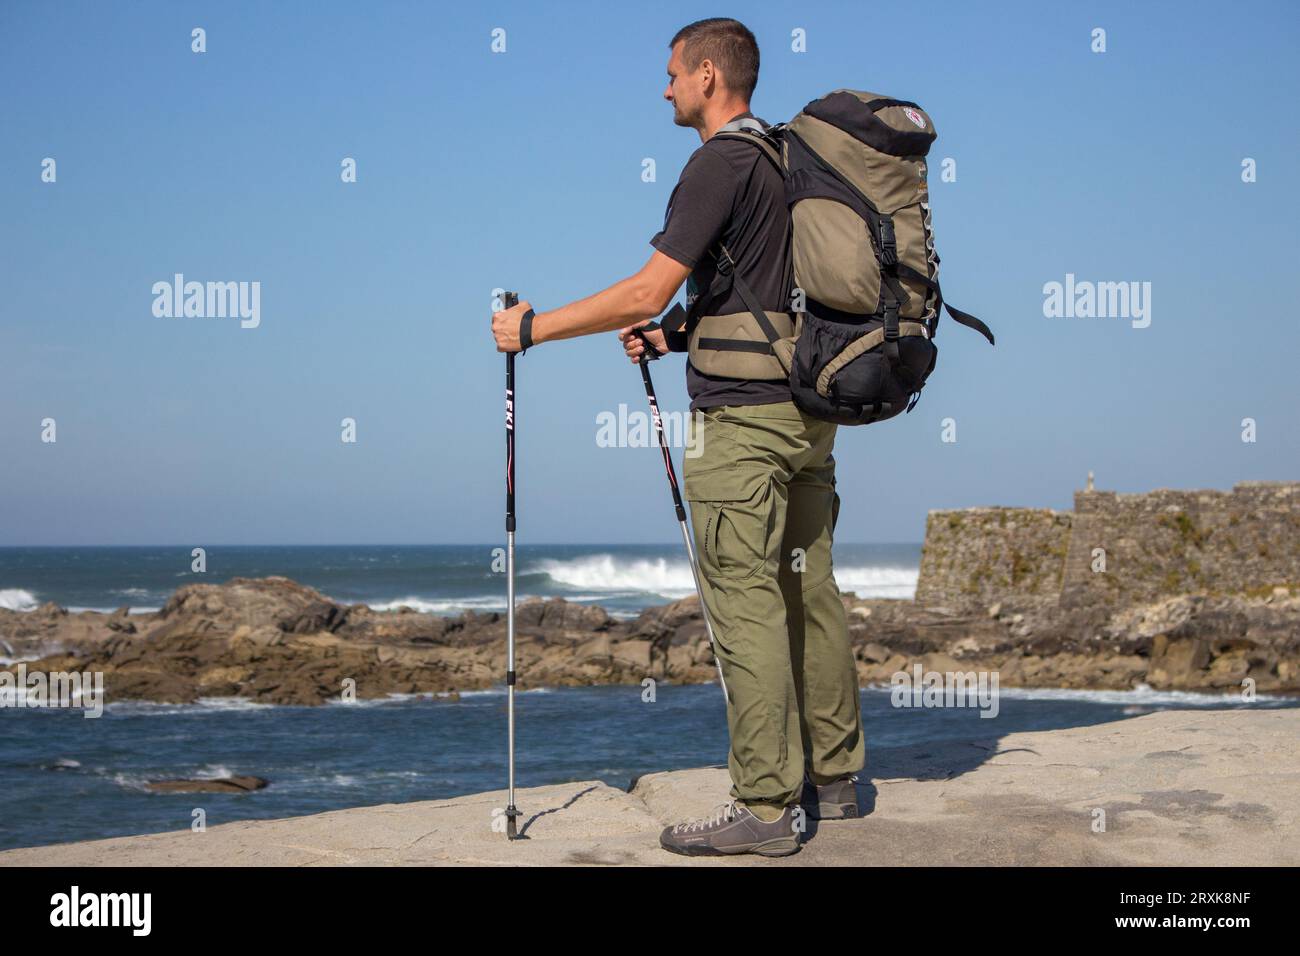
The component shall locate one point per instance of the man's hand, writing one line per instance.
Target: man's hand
(633, 344)
(505, 327)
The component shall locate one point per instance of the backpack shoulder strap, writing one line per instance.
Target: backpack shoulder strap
(765, 138)
(682, 321)
(758, 138)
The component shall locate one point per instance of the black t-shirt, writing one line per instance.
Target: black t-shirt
(729, 191)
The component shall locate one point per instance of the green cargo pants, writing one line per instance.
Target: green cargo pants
(763, 509)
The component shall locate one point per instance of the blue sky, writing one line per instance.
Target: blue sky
(479, 170)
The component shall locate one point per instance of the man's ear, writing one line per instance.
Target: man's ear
(710, 74)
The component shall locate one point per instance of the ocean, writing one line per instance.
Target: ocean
(442, 579)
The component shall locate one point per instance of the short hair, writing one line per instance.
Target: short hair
(731, 47)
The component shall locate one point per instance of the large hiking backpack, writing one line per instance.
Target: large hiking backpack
(858, 342)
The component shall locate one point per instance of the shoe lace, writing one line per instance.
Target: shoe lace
(724, 813)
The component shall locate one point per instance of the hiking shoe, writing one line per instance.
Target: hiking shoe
(732, 828)
(837, 800)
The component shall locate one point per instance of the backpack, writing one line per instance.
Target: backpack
(857, 345)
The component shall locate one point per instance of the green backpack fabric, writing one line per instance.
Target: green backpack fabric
(858, 342)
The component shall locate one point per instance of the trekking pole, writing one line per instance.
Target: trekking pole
(677, 495)
(511, 299)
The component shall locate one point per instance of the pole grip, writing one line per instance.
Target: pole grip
(510, 299)
(651, 353)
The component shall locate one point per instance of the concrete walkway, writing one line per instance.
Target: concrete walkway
(1177, 788)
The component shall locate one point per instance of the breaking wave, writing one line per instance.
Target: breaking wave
(16, 599)
(672, 578)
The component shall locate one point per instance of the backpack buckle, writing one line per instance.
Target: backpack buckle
(891, 322)
(888, 242)
(725, 264)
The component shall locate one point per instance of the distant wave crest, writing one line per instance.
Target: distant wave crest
(672, 578)
(876, 581)
(604, 572)
(444, 605)
(16, 599)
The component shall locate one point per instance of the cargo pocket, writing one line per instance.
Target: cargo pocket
(732, 498)
(734, 535)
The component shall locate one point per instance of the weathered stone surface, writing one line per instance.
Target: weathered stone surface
(1192, 642)
(598, 648)
(120, 620)
(277, 601)
(633, 654)
(245, 639)
(276, 641)
(974, 556)
(1156, 545)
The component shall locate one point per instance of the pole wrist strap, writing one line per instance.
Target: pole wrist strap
(651, 353)
(526, 332)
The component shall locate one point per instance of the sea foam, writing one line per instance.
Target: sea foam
(16, 599)
(672, 578)
(604, 572)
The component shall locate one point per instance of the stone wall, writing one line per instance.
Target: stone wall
(1153, 545)
(1181, 542)
(976, 556)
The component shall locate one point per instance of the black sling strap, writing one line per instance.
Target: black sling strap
(960, 317)
(678, 323)
(727, 267)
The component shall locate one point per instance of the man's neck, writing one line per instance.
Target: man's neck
(720, 116)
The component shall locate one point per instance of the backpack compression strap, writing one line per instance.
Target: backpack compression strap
(958, 316)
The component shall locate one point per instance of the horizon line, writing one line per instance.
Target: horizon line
(452, 544)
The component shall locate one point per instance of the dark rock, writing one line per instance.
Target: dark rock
(120, 621)
(202, 785)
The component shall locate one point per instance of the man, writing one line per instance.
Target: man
(762, 493)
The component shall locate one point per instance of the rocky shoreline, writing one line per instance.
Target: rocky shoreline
(275, 641)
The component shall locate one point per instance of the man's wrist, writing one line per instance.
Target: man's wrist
(539, 327)
(549, 326)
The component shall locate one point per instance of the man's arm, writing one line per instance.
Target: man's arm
(707, 191)
(632, 300)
